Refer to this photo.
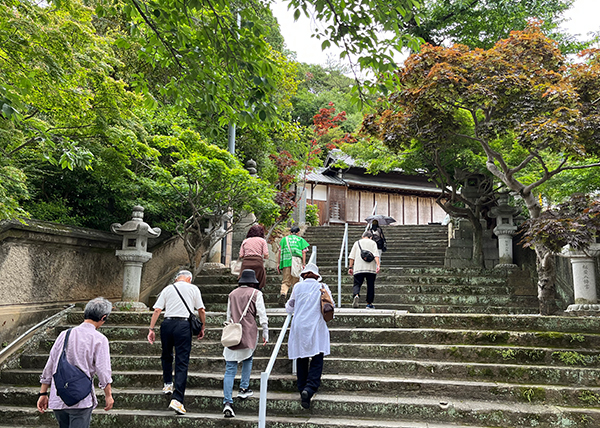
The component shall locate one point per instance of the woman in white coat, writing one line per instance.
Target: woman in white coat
(309, 335)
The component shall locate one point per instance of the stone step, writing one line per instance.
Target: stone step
(150, 381)
(385, 288)
(344, 317)
(412, 299)
(392, 409)
(571, 357)
(554, 328)
(160, 418)
(511, 373)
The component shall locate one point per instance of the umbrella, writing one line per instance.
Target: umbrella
(383, 220)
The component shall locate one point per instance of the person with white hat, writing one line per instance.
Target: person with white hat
(309, 340)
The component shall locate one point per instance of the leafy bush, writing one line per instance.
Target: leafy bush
(312, 215)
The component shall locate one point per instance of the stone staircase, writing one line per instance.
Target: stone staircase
(413, 277)
(386, 369)
(413, 246)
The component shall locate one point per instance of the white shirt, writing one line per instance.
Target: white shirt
(360, 266)
(169, 299)
(309, 334)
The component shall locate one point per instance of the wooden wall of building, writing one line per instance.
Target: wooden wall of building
(353, 206)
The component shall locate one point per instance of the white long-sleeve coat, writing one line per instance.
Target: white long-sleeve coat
(309, 334)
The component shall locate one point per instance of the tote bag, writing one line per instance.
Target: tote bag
(296, 262)
(236, 267)
(232, 331)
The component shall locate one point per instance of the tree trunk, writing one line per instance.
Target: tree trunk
(546, 270)
(478, 257)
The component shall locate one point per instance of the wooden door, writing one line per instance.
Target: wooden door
(337, 204)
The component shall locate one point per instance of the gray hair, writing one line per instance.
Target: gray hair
(184, 274)
(96, 309)
(367, 234)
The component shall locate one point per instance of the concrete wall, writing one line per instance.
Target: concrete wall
(44, 266)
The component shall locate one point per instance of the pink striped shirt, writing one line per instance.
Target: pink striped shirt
(87, 349)
(254, 246)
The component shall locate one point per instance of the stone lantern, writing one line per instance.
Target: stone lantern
(584, 281)
(134, 253)
(505, 229)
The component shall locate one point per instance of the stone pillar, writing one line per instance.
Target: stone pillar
(134, 254)
(584, 283)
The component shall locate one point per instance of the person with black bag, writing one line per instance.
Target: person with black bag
(378, 237)
(178, 300)
(84, 352)
(364, 264)
(244, 304)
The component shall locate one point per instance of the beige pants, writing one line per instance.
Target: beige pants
(288, 280)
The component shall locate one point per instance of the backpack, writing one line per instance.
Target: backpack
(72, 384)
(366, 255)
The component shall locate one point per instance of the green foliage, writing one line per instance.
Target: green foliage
(204, 186)
(312, 215)
(589, 397)
(571, 358)
(356, 27)
(480, 24)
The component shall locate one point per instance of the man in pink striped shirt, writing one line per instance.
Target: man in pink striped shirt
(87, 349)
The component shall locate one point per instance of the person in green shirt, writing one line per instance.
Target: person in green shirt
(298, 247)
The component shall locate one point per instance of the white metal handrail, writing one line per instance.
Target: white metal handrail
(344, 246)
(264, 376)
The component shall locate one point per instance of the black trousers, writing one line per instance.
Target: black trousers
(309, 374)
(358, 280)
(176, 333)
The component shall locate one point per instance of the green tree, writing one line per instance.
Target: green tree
(58, 97)
(480, 24)
(205, 186)
(533, 115)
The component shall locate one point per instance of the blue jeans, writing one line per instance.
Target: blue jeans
(230, 372)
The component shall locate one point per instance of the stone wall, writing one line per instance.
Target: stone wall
(44, 266)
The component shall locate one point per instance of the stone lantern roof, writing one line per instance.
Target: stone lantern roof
(136, 225)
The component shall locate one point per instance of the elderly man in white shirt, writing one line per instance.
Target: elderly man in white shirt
(309, 336)
(362, 269)
(176, 332)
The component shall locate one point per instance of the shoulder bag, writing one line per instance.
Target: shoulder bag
(195, 323)
(327, 306)
(232, 331)
(366, 255)
(72, 384)
(236, 265)
(296, 261)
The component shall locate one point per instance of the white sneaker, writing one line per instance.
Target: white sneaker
(355, 301)
(228, 411)
(168, 388)
(177, 406)
(245, 393)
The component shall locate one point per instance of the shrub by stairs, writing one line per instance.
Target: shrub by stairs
(386, 369)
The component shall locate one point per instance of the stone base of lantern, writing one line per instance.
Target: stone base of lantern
(506, 266)
(131, 306)
(583, 310)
